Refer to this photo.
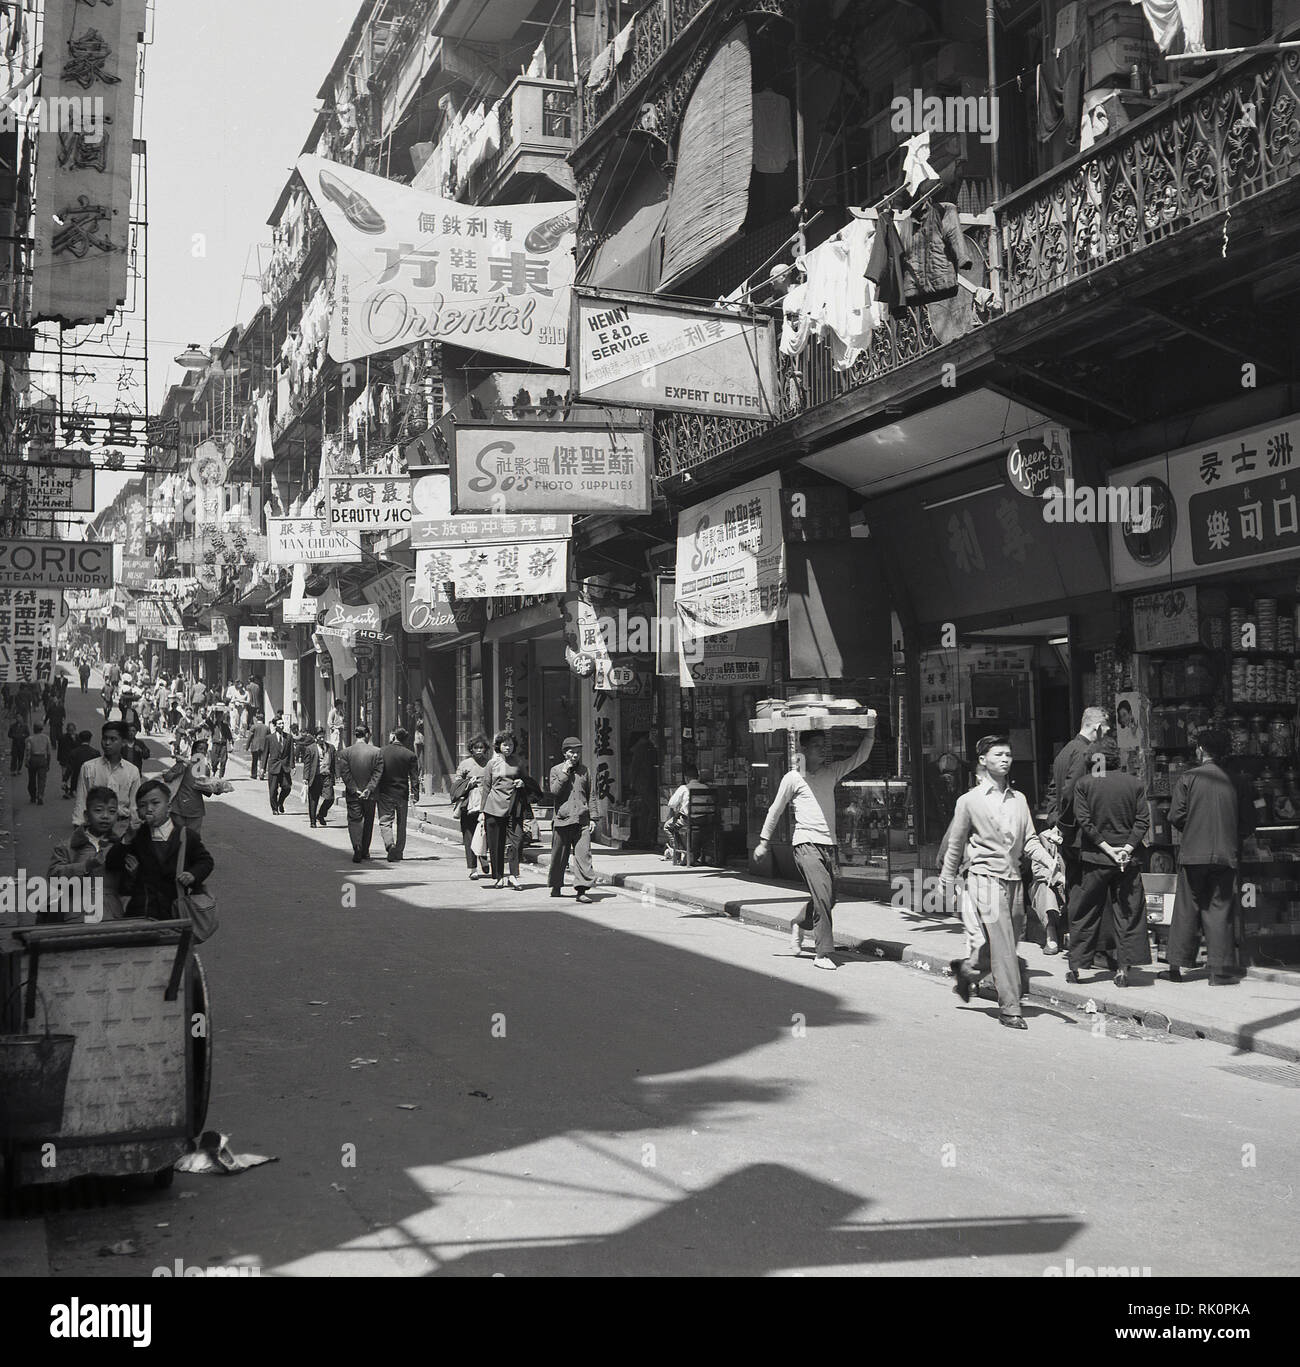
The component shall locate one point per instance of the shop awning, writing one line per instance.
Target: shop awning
(715, 155)
(632, 206)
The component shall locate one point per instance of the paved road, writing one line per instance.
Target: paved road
(459, 1081)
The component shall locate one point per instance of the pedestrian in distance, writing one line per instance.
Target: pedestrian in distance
(400, 781)
(992, 828)
(467, 802)
(194, 781)
(318, 770)
(258, 738)
(279, 765)
(811, 797)
(1209, 810)
(361, 767)
(83, 671)
(506, 793)
(67, 744)
(18, 733)
(151, 857)
(38, 754)
(222, 739)
(570, 787)
(1112, 816)
(81, 752)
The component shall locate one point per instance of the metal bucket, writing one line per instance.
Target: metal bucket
(33, 1082)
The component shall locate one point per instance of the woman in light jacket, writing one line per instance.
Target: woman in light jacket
(467, 800)
(506, 792)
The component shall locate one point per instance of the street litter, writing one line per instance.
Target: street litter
(362, 1062)
(212, 1154)
(124, 1249)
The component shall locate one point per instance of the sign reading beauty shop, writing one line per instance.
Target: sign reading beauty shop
(56, 564)
(676, 356)
(1221, 504)
(731, 561)
(370, 504)
(549, 467)
(308, 541)
(413, 267)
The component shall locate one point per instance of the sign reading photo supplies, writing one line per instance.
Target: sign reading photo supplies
(676, 356)
(542, 468)
(308, 541)
(370, 504)
(413, 267)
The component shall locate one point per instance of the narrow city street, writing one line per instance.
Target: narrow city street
(458, 1080)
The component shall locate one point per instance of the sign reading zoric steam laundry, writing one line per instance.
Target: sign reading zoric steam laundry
(372, 504)
(413, 267)
(731, 561)
(57, 489)
(675, 356)
(29, 635)
(56, 564)
(493, 571)
(308, 541)
(266, 643)
(534, 468)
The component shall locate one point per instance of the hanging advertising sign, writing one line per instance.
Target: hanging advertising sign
(1163, 621)
(1222, 504)
(493, 571)
(308, 541)
(220, 630)
(368, 505)
(266, 643)
(137, 570)
(687, 358)
(173, 638)
(84, 240)
(731, 561)
(437, 617)
(435, 532)
(56, 564)
(732, 658)
(1040, 462)
(386, 592)
(29, 634)
(348, 619)
(544, 467)
(302, 611)
(413, 267)
(59, 489)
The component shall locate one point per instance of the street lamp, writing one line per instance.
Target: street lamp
(193, 358)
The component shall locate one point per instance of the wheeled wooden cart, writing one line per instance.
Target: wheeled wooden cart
(133, 996)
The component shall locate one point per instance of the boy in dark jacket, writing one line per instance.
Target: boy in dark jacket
(151, 857)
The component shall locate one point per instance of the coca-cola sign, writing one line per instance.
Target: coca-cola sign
(1149, 537)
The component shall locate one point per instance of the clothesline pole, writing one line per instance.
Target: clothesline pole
(1234, 51)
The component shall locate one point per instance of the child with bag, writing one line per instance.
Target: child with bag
(163, 859)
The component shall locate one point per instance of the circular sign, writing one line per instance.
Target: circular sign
(623, 677)
(582, 665)
(1150, 540)
(1033, 468)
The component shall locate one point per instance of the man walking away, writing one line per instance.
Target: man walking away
(361, 767)
(570, 785)
(279, 766)
(401, 778)
(1112, 816)
(992, 828)
(83, 669)
(318, 767)
(39, 751)
(222, 737)
(1208, 809)
(816, 852)
(18, 734)
(258, 737)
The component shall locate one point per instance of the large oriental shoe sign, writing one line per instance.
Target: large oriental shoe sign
(83, 175)
(413, 267)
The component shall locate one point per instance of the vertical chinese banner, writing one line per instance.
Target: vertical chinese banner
(29, 634)
(83, 171)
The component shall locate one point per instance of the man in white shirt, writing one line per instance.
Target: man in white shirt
(109, 771)
(816, 851)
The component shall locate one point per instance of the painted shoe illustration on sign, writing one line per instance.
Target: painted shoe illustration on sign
(358, 210)
(546, 236)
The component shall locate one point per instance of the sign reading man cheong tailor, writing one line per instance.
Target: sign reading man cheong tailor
(414, 267)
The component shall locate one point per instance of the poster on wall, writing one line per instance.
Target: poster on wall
(29, 634)
(1162, 621)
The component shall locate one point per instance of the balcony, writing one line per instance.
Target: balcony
(536, 137)
(1213, 147)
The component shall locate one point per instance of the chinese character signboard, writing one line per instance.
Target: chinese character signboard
(532, 468)
(413, 267)
(220, 630)
(372, 504)
(731, 561)
(308, 541)
(676, 356)
(29, 635)
(56, 564)
(266, 643)
(432, 533)
(83, 180)
(1220, 504)
(493, 571)
(1163, 621)
(60, 489)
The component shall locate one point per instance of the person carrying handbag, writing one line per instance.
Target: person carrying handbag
(467, 804)
(506, 789)
(160, 864)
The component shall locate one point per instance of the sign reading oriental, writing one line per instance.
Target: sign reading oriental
(1232, 502)
(414, 267)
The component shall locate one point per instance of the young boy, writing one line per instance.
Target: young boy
(85, 855)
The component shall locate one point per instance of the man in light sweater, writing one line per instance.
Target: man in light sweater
(816, 852)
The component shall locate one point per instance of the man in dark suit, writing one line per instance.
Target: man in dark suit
(258, 737)
(84, 751)
(1069, 766)
(361, 767)
(318, 763)
(1209, 811)
(401, 779)
(279, 766)
(1112, 817)
(570, 785)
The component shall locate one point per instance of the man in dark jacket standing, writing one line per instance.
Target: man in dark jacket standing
(570, 785)
(1112, 816)
(1207, 808)
(257, 739)
(279, 766)
(401, 779)
(361, 767)
(318, 768)
(1070, 765)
